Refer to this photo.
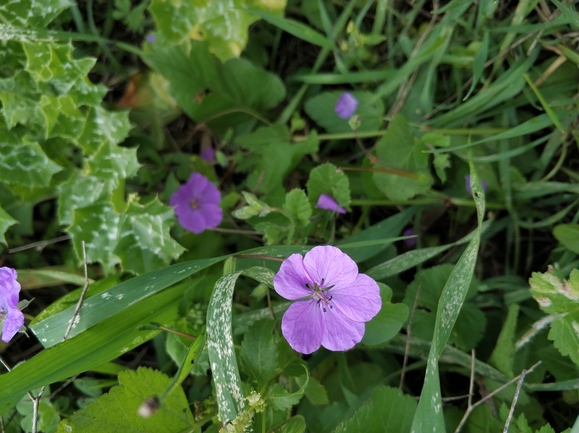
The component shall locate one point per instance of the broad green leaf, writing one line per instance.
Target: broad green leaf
(224, 370)
(118, 409)
(102, 306)
(399, 149)
(107, 340)
(5, 222)
(222, 24)
(24, 162)
(327, 179)
(296, 424)
(560, 298)
(104, 126)
(144, 242)
(568, 235)
(321, 109)
(429, 415)
(53, 276)
(298, 206)
(388, 410)
(387, 323)
(20, 99)
(236, 90)
(259, 355)
(82, 191)
(33, 13)
(47, 417)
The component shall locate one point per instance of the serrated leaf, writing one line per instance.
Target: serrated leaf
(223, 24)
(321, 109)
(279, 398)
(20, 100)
(398, 149)
(298, 206)
(24, 163)
(223, 362)
(5, 222)
(259, 353)
(327, 179)
(81, 191)
(388, 410)
(560, 298)
(144, 242)
(102, 126)
(33, 13)
(568, 235)
(98, 227)
(113, 162)
(118, 409)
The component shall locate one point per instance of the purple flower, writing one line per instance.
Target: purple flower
(411, 243)
(196, 204)
(327, 202)
(10, 315)
(346, 105)
(467, 184)
(151, 38)
(208, 154)
(333, 300)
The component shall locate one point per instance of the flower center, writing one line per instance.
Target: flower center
(321, 296)
(194, 203)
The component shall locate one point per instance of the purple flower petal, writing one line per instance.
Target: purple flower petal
(9, 291)
(339, 301)
(196, 204)
(467, 184)
(364, 305)
(291, 279)
(208, 154)
(327, 202)
(330, 265)
(340, 333)
(302, 326)
(346, 105)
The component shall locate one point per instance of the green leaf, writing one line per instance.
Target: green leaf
(386, 324)
(398, 149)
(118, 409)
(5, 222)
(19, 96)
(568, 235)
(429, 415)
(144, 242)
(327, 179)
(24, 162)
(234, 88)
(97, 308)
(225, 373)
(388, 410)
(321, 109)
(503, 355)
(441, 162)
(81, 191)
(296, 424)
(259, 354)
(560, 298)
(104, 127)
(222, 24)
(298, 206)
(33, 13)
(279, 398)
(107, 340)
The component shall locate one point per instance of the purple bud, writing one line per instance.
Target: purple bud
(410, 243)
(208, 154)
(346, 105)
(327, 202)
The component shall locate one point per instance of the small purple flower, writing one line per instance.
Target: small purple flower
(410, 243)
(327, 202)
(10, 315)
(467, 184)
(333, 300)
(208, 154)
(151, 38)
(196, 204)
(346, 105)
